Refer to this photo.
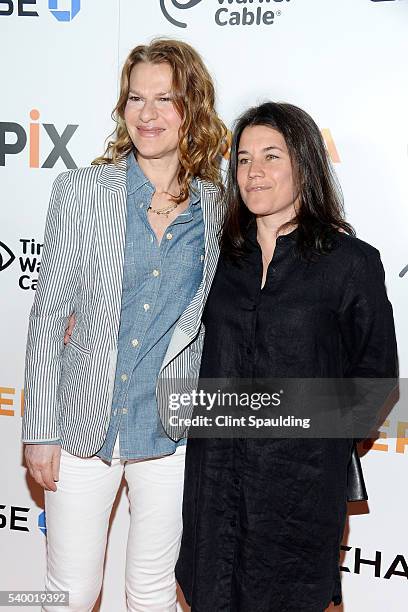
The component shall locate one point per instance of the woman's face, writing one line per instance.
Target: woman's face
(264, 173)
(151, 118)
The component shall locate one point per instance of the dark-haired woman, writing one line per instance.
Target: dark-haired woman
(295, 295)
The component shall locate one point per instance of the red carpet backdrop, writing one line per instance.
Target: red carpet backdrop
(344, 61)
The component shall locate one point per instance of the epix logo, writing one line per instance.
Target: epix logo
(14, 138)
(62, 11)
(6, 256)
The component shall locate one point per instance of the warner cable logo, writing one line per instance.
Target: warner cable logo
(227, 12)
(14, 138)
(62, 10)
(177, 5)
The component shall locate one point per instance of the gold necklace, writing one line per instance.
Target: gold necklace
(164, 211)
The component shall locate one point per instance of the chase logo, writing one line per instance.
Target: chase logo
(64, 15)
(177, 5)
(42, 525)
(6, 256)
(62, 10)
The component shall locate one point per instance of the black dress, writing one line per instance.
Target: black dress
(263, 518)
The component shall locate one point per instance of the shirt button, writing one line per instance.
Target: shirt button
(151, 238)
(146, 307)
(202, 257)
(233, 523)
(249, 351)
(124, 377)
(115, 412)
(169, 236)
(156, 273)
(124, 411)
(135, 342)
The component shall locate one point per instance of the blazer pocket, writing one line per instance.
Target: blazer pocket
(74, 358)
(77, 346)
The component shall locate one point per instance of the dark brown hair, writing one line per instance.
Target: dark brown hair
(321, 211)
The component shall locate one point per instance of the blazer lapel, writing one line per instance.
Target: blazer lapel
(189, 323)
(110, 223)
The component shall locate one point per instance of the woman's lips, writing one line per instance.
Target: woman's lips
(258, 188)
(150, 132)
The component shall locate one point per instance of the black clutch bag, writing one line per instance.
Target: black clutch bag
(356, 489)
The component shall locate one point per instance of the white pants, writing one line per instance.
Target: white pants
(77, 526)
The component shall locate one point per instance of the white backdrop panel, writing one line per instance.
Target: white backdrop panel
(344, 62)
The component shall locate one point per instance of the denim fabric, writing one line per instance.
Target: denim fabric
(159, 281)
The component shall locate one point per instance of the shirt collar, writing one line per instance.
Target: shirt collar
(194, 192)
(251, 235)
(136, 179)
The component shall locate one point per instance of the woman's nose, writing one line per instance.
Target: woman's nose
(255, 170)
(148, 111)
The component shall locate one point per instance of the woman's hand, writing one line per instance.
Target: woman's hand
(70, 327)
(43, 462)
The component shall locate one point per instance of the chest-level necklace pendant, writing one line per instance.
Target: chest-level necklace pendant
(164, 211)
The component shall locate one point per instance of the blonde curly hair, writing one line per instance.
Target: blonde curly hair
(202, 134)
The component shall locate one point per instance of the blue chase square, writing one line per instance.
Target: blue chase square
(64, 15)
(42, 525)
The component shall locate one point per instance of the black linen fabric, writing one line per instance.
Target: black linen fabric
(264, 518)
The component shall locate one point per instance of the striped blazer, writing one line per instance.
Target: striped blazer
(68, 389)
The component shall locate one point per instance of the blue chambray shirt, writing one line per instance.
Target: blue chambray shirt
(159, 281)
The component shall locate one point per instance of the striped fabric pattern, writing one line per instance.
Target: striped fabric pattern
(181, 366)
(68, 389)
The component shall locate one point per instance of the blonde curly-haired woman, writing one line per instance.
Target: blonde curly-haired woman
(130, 249)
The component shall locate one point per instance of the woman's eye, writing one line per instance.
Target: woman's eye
(243, 161)
(134, 98)
(271, 156)
(165, 99)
